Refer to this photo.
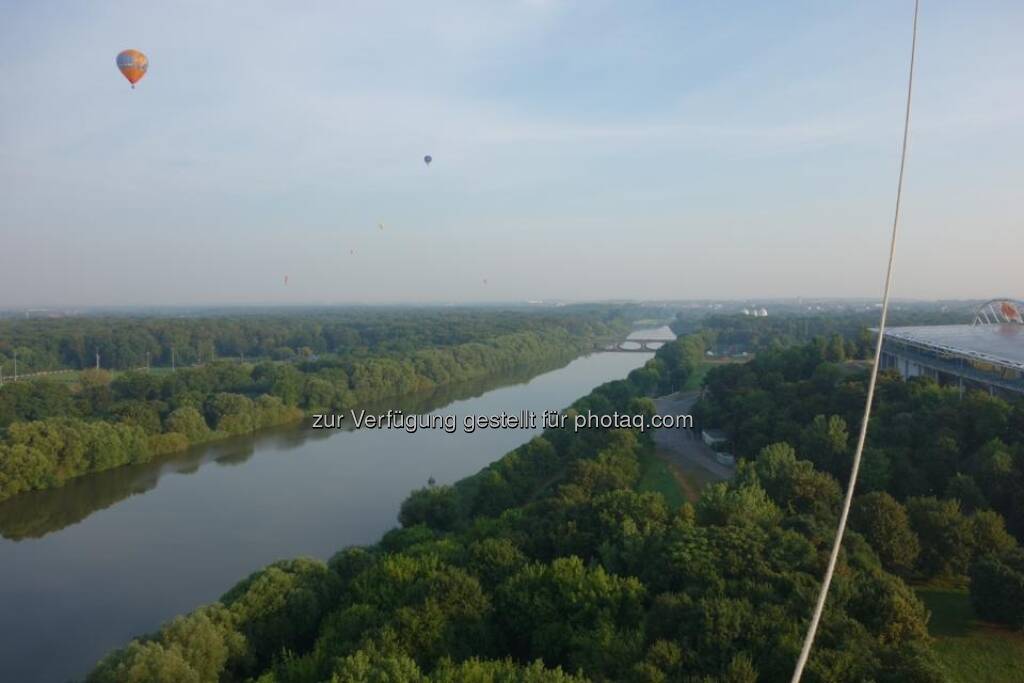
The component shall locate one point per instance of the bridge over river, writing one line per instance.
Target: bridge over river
(632, 345)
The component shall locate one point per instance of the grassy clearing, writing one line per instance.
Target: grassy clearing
(72, 377)
(968, 649)
(659, 473)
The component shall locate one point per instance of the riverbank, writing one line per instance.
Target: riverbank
(140, 416)
(82, 579)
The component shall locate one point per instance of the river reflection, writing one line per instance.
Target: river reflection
(35, 514)
(86, 567)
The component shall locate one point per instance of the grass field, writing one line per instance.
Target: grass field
(71, 376)
(657, 473)
(968, 649)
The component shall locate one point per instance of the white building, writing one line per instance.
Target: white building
(712, 437)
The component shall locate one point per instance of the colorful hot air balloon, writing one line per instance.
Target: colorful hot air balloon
(427, 159)
(133, 65)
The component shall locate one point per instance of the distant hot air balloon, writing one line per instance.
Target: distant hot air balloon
(427, 159)
(285, 280)
(380, 225)
(1010, 311)
(133, 65)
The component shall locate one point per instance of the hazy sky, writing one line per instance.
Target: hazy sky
(582, 150)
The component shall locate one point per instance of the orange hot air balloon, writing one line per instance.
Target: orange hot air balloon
(133, 65)
(1010, 311)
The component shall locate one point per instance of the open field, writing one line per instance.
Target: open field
(659, 473)
(656, 474)
(71, 376)
(968, 649)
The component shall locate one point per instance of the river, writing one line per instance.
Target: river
(86, 567)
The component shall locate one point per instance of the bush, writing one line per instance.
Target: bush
(997, 588)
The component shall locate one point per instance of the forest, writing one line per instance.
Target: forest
(738, 333)
(941, 486)
(51, 431)
(125, 342)
(550, 565)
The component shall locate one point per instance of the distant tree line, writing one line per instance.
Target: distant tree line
(52, 432)
(549, 566)
(735, 333)
(940, 473)
(129, 342)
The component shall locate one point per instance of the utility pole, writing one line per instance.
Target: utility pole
(97, 359)
(147, 361)
(15, 366)
(172, 359)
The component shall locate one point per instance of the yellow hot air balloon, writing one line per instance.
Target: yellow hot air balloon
(133, 65)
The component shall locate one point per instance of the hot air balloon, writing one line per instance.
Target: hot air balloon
(380, 225)
(1010, 311)
(427, 159)
(285, 280)
(133, 65)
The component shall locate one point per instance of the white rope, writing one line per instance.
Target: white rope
(812, 630)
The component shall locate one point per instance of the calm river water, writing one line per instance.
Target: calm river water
(86, 567)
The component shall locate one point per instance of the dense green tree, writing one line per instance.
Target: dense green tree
(885, 524)
(824, 442)
(791, 482)
(435, 506)
(945, 534)
(572, 616)
(997, 587)
(190, 422)
(723, 505)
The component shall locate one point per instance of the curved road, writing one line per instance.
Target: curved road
(684, 447)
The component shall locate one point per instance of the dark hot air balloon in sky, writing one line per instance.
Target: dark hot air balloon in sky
(133, 65)
(427, 159)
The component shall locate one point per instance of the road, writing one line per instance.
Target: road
(684, 447)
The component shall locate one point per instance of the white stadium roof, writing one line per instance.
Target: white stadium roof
(996, 344)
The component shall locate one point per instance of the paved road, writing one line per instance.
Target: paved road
(684, 446)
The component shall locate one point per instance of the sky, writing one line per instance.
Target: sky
(583, 150)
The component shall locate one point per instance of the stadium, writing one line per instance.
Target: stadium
(986, 355)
